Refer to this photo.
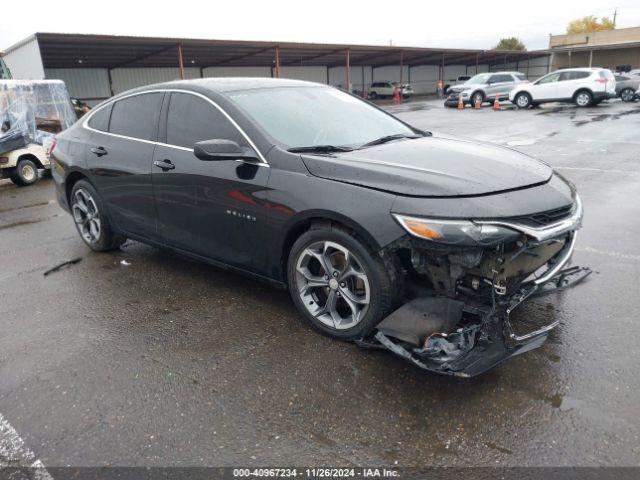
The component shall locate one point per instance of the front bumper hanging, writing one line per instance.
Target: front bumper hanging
(479, 344)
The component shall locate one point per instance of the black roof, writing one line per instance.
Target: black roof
(60, 50)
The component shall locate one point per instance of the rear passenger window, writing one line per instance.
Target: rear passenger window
(100, 119)
(136, 116)
(501, 78)
(192, 119)
(572, 75)
(520, 76)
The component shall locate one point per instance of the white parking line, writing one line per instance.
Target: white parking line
(588, 169)
(14, 452)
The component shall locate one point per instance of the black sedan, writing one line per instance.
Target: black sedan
(384, 234)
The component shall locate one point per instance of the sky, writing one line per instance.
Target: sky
(460, 24)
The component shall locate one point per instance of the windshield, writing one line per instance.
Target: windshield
(479, 78)
(308, 116)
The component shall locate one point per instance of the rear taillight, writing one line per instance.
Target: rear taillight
(53, 145)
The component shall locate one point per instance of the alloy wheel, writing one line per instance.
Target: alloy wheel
(583, 99)
(332, 284)
(523, 101)
(627, 95)
(86, 215)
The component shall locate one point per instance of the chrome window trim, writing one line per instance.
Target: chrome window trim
(85, 124)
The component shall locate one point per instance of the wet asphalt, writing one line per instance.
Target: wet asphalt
(141, 357)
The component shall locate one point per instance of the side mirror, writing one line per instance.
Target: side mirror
(221, 149)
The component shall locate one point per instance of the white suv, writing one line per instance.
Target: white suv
(582, 86)
(386, 89)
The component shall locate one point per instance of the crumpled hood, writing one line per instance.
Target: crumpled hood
(437, 166)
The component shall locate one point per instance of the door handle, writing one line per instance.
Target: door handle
(99, 151)
(164, 164)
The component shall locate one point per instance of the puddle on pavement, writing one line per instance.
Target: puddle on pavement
(409, 107)
(601, 117)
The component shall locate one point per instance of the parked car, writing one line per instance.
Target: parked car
(383, 233)
(484, 87)
(31, 113)
(387, 89)
(456, 81)
(626, 87)
(582, 86)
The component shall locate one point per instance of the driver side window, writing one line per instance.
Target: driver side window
(549, 78)
(192, 119)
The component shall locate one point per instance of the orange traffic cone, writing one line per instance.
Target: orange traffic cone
(496, 104)
(396, 94)
(477, 104)
(460, 103)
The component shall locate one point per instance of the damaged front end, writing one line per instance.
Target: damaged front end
(463, 279)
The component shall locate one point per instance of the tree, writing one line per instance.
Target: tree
(590, 24)
(510, 43)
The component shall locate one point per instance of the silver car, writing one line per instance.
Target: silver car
(626, 86)
(484, 87)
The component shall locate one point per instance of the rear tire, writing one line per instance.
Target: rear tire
(583, 99)
(91, 219)
(627, 95)
(348, 301)
(25, 173)
(373, 95)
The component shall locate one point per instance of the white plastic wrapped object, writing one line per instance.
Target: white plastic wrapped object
(33, 111)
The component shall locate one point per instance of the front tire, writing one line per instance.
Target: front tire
(522, 100)
(477, 96)
(373, 95)
(341, 289)
(25, 173)
(92, 222)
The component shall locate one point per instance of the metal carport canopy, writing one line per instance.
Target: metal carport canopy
(60, 50)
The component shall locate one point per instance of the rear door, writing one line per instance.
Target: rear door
(119, 157)
(499, 84)
(212, 208)
(570, 82)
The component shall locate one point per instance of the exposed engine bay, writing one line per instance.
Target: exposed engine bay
(458, 299)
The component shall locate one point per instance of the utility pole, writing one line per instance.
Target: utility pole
(615, 15)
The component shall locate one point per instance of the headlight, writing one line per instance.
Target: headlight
(455, 232)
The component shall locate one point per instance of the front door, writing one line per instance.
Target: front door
(546, 88)
(212, 208)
